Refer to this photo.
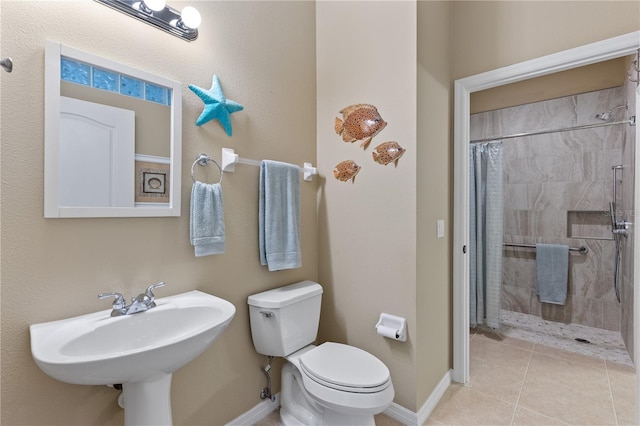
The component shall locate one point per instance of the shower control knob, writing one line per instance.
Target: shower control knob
(622, 228)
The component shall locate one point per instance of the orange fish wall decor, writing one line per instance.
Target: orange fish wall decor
(346, 170)
(388, 152)
(360, 122)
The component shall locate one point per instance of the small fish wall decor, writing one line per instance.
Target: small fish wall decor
(360, 122)
(388, 152)
(346, 170)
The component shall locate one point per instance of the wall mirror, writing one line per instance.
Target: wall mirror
(113, 138)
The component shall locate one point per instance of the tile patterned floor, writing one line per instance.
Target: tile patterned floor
(517, 382)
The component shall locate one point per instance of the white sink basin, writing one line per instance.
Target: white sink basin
(147, 347)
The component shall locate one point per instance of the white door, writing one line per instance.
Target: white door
(97, 149)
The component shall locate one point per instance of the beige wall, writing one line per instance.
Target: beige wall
(598, 76)
(264, 54)
(377, 235)
(366, 53)
(434, 191)
(493, 34)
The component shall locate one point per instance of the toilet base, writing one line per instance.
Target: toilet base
(332, 418)
(297, 408)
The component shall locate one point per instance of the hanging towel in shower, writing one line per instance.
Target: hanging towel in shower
(279, 215)
(206, 229)
(552, 271)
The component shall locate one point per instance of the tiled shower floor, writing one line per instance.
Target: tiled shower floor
(605, 344)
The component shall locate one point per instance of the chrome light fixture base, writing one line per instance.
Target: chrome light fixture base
(167, 19)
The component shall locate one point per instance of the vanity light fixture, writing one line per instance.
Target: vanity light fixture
(157, 13)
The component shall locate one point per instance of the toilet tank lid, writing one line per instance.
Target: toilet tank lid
(283, 296)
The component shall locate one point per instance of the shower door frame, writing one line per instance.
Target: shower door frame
(624, 45)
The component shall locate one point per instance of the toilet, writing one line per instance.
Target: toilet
(329, 384)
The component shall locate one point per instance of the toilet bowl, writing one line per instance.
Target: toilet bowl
(345, 379)
(329, 384)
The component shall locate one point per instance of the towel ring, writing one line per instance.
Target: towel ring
(203, 160)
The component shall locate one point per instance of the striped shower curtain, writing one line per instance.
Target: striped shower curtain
(485, 233)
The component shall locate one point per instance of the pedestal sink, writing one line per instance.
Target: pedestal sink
(140, 351)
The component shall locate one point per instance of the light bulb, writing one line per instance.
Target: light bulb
(155, 5)
(190, 17)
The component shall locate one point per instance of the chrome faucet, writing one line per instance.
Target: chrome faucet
(140, 303)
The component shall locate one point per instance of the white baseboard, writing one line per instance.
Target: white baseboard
(435, 397)
(401, 414)
(395, 411)
(408, 417)
(257, 413)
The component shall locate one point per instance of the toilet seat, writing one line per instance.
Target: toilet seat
(345, 368)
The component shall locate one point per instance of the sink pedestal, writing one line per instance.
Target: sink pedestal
(148, 403)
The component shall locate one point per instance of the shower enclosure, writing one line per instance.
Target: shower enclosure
(559, 189)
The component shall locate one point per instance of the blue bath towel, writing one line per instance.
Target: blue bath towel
(552, 271)
(206, 229)
(279, 215)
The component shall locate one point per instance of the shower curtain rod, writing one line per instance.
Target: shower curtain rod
(631, 121)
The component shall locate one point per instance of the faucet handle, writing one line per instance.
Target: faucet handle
(118, 303)
(149, 291)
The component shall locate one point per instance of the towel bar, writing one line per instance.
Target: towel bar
(581, 249)
(230, 159)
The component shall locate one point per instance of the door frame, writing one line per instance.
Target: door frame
(612, 48)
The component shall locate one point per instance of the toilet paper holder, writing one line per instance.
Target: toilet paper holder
(392, 327)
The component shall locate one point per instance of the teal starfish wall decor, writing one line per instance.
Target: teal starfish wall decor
(216, 105)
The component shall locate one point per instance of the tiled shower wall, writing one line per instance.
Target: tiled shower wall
(628, 213)
(557, 190)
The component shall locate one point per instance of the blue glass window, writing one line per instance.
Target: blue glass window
(105, 80)
(75, 72)
(155, 93)
(99, 78)
(131, 87)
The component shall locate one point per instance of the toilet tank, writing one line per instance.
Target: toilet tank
(285, 319)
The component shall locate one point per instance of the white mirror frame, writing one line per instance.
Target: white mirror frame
(52, 209)
(612, 48)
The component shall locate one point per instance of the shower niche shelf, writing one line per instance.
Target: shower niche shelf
(588, 224)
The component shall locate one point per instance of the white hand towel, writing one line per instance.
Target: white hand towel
(207, 219)
(279, 215)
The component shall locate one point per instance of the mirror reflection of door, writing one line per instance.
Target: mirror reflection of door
(97, 149)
